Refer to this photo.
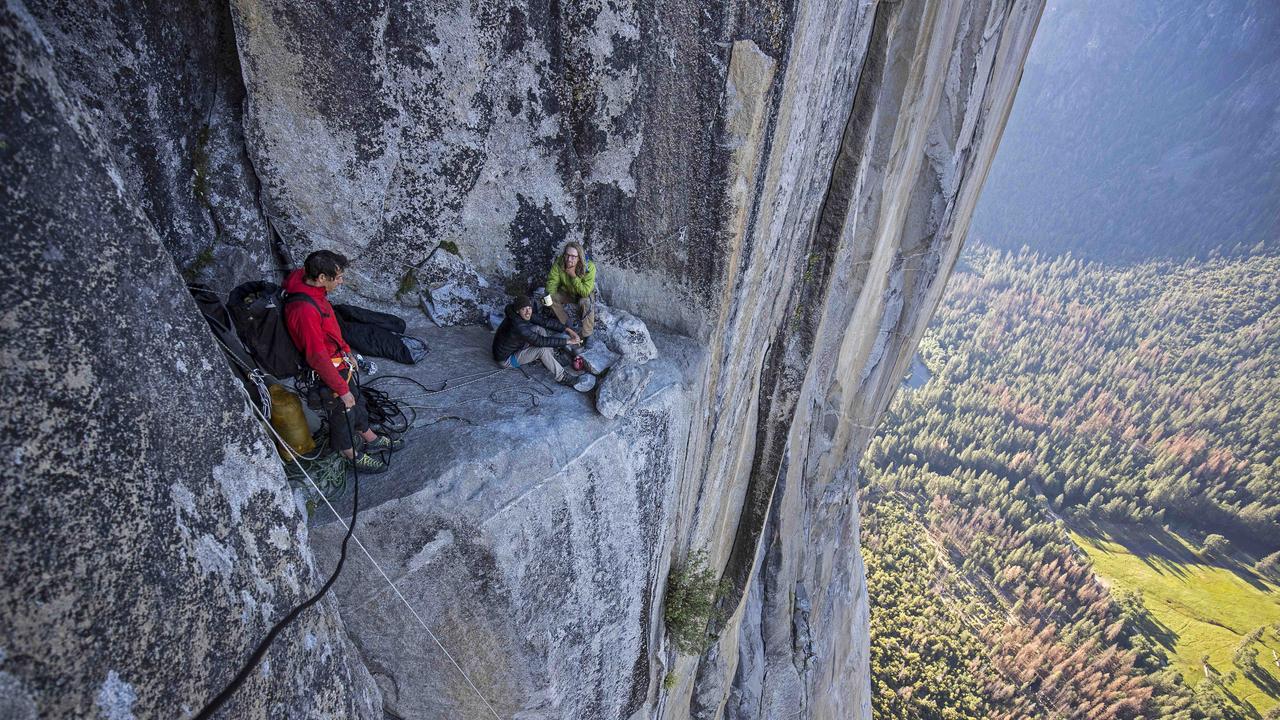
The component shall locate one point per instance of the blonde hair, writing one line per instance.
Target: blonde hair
(582, 255)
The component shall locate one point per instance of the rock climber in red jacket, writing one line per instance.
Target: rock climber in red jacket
(314, 329)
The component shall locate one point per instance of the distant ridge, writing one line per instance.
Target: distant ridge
(1143, 129)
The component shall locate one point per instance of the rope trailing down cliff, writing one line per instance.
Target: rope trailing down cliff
(256, 656)
(258, 653)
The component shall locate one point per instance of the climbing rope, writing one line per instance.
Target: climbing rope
(444, 386)
(520, 395)
(328, 471)
(252, 374)
(517, 395)
(388, 416)
(256, 656)
(351, 534)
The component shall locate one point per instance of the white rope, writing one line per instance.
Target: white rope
(395, 589)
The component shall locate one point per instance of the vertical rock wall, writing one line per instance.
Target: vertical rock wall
(384, 128)
(788, 182)
(865, 193)
(150, 538)
(159, 84)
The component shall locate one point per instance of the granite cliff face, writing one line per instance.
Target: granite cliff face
(149, 538)
(779, 189)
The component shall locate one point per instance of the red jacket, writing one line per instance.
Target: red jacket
(316, 332)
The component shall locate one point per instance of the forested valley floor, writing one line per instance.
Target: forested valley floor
(1073, 511)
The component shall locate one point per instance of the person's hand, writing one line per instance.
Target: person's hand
(573, 336)
(348, 400)
(572, 270)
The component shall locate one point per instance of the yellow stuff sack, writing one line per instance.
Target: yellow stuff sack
(289, 421)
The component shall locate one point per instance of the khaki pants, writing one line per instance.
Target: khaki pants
(545, 355)
(585, 310)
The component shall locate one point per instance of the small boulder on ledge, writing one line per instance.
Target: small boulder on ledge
(622, 388)
(451, 292)
(598, 357)
(625, 334)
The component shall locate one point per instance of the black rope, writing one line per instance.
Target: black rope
(392, 415)
(388, 417)
(426, 390)
(523, 396)
(385, 414)
(216, 703)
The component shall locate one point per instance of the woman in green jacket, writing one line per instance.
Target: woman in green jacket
(572, 280)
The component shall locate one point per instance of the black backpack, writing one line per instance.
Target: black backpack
(224, 331)
(257, 309)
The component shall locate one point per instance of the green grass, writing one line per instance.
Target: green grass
(1204, 607)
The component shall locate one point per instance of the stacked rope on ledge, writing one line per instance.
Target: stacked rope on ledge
(327, 470)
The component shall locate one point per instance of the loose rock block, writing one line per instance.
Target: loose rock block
(622, 388)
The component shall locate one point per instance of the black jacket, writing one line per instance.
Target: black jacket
(515, 333)
(372, 333)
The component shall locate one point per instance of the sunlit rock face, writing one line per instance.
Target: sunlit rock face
(778, 189)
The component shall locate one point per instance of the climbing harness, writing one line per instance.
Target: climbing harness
(387, 416)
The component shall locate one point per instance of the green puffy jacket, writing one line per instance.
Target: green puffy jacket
(579, 287)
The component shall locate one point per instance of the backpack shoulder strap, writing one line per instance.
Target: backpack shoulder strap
(296, 297)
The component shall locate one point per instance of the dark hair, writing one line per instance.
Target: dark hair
(522, 301)
(324, 262)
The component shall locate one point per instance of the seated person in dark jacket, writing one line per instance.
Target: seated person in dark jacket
(523, 337)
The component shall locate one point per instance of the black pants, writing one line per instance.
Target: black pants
(340, 434)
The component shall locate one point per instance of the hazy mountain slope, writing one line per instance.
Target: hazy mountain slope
(1142, 129)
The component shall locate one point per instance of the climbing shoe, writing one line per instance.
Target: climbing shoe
(385, 442)
(366, 464)
(582, 382)
(569, 377)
